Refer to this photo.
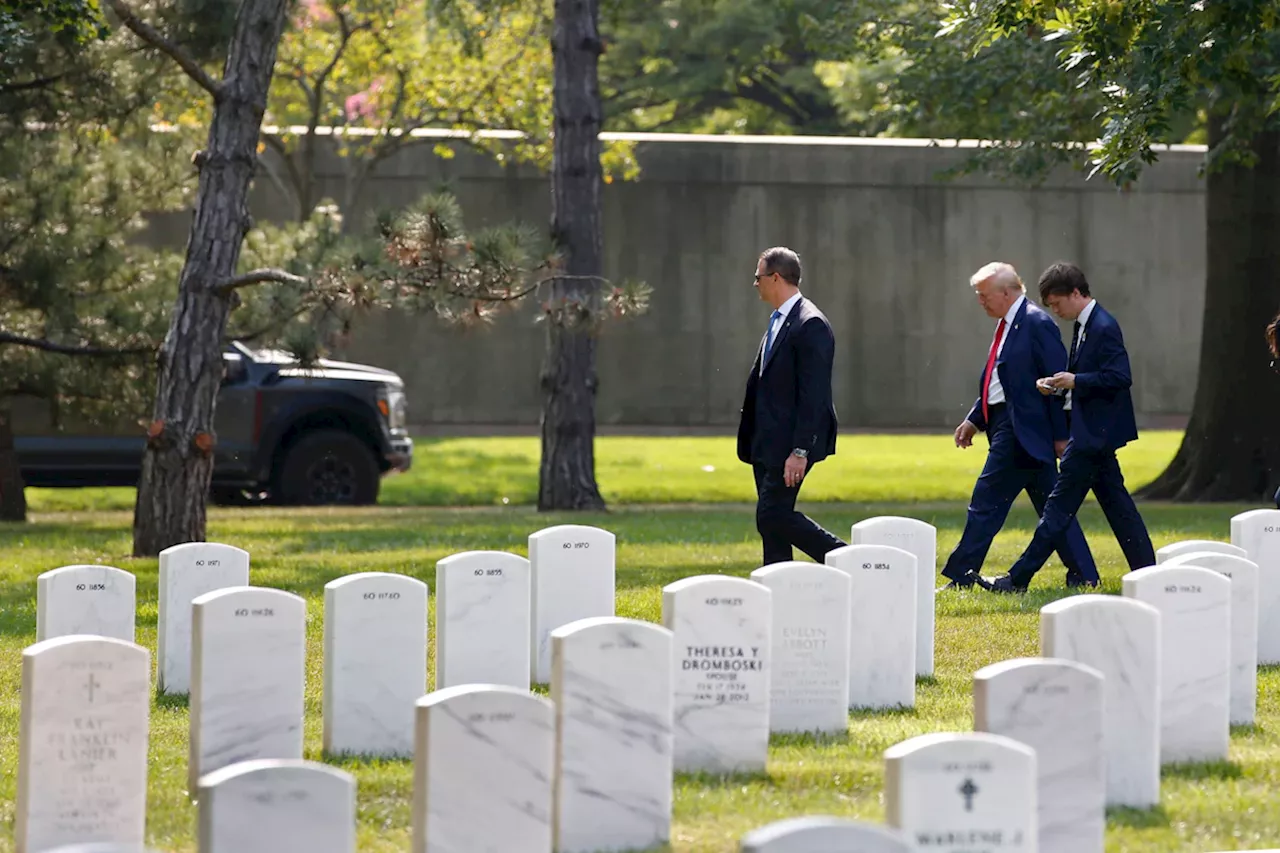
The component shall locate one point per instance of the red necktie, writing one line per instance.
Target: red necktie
(991, 365)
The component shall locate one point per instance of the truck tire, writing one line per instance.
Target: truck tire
(328, 467)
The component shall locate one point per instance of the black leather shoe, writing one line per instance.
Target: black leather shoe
(1076, 583)
(963, 582)
(1003, 584)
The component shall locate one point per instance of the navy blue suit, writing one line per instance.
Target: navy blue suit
(787, 405)
(1102, 421)
(1020, 435)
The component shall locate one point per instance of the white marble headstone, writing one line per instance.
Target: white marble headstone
(375, 663)
(1120, 638)
(809, 682)
(82, 743)
(482, 770)
(1187, 546)
(967, 792)
(883, 630)
(921, 539)
(821, 834)
(612, 684)
(483, 619)
(1053, 706)
(188, 571)
(273, 806)
(1195, 639)
(96, 600)
(571, 577)
(1244, 626)
(248, 675)
(1258, 533)
(723, 638)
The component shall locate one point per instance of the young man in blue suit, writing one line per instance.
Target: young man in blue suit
(1096, 390)
(1026, 431)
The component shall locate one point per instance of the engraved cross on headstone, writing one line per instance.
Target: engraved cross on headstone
(967, 790)
(93, 683)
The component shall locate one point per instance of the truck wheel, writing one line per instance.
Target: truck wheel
(328, 467)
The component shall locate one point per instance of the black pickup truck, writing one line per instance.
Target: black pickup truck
(286, 434)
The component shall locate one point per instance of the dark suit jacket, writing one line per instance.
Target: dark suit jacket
(790, 405)
(1101, 406)
(1032, 349)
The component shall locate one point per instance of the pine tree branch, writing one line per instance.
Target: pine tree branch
(65, 349)
(152, 36)
(259, 277)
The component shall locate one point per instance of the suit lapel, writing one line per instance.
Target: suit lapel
(1084, 333)
(783, 331)
(1012, 330)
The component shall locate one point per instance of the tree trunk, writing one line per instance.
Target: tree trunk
(178, 462)
(13, 499)
(567, 479)
(1230, 451)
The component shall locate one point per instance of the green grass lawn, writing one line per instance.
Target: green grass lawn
(504, 471)
(1229, 806)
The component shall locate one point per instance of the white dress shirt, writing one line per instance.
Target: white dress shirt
(1083, 320)
(995, 391)
(776, 325)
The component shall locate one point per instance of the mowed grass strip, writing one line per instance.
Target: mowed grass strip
(489, 471)
(1229, 806)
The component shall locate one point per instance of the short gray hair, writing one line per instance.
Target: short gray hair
(784, 262)
(1004, 275)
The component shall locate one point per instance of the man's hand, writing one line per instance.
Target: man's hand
(1045, 386)
(1059, 448)
(965, 433)
(793, 471)
(1063, 380)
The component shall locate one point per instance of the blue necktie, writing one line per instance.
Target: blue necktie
(768, 334)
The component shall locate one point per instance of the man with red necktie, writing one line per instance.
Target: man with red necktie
(1026, 430)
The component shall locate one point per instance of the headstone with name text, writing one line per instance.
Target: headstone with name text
(723, 642)
(962, 792)
(82, 743)
(809, 680)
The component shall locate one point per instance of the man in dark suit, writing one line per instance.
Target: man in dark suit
(788, 421)
(1026, 431)
(1096, 387)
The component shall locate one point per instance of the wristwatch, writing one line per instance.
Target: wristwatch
(800, 451)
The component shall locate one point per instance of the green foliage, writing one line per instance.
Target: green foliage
(24, 22)
(738, 66)
(1147, 66)
(384, 74)
(78, 171)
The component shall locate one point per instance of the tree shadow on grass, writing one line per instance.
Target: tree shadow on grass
(817, 739)
(1195, 771)
(903, 711)
(707, 779)
(1152, 818)
(173, 701)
